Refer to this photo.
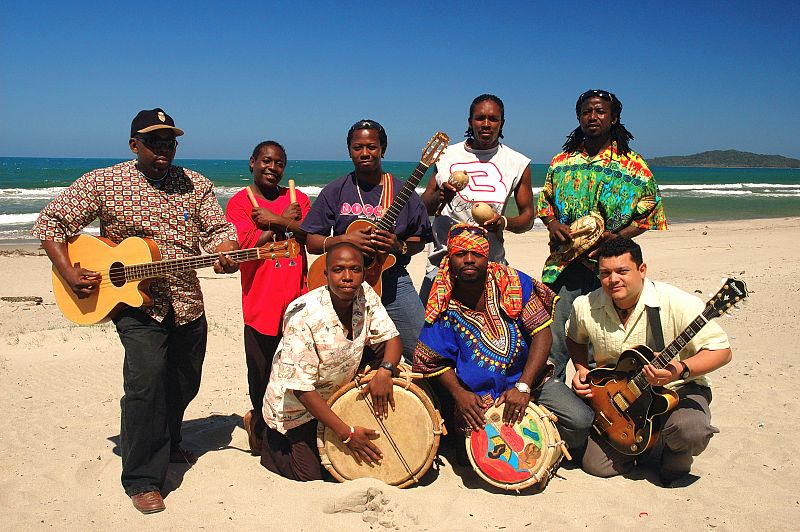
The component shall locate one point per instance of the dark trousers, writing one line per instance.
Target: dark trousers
(161, 375)
(686, 432)
(259, 350)
(576, 280)
(293, 455)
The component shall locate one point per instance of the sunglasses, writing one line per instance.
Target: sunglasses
(466, 228)
(157, 143)
(605, 95)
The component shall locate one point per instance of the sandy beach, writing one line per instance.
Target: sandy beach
(61, 385)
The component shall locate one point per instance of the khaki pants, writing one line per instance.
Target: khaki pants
(686, 433)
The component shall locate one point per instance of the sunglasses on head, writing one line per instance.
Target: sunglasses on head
(157, 143)
(604, 95)
(471, 229)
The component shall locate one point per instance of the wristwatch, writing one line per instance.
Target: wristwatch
(403, 247)
(685, 373)
(522, 387)
(389, 366)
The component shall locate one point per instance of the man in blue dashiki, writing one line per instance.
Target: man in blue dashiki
(486, 339)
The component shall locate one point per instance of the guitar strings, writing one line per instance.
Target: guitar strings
(120, 275)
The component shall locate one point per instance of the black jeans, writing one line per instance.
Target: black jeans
(259, 350)
(161, 375)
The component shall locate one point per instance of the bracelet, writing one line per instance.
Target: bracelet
(551, 221)
(505, 222)
(352, 431)
(324, 242)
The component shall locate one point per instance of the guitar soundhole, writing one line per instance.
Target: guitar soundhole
(116, 274)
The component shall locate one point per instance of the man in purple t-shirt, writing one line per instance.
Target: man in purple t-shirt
(359, 196)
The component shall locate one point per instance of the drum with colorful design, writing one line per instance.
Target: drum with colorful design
(518, 456)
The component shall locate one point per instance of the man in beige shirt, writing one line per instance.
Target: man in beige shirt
(614, 318)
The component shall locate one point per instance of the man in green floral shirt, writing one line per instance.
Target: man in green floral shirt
(597, 172)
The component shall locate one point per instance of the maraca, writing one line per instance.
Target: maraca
(482, 212)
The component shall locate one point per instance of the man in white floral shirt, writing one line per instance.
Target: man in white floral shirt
(324, 335)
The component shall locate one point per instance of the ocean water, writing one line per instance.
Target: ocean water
(689, 194)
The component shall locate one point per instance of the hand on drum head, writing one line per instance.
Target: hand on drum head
(380, 389)
(470, 408)
(516, 402)
(361, 446)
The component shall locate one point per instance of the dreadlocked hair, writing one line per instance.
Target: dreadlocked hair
(619, 134)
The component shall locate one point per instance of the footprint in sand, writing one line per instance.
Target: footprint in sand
(374, 505)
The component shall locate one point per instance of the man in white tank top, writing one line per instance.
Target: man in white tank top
(495, 173)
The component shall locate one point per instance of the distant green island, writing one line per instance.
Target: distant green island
(726, 158)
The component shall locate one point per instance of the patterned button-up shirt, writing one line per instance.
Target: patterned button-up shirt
(620, 187)
(316, 354)
(180, 216)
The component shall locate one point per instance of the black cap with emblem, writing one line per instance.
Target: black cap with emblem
(151, 120)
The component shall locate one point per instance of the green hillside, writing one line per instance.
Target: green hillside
(726, 158)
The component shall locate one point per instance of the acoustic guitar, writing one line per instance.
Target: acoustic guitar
(127, 268)
(626, 406)
(374, 266)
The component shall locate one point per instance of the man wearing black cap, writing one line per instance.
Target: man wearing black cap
(165, 342)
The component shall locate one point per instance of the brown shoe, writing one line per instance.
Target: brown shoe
(252, 438)
(179, 455)
(148, 502)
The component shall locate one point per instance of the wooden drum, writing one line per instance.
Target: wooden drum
(408, 437)
(515, 457)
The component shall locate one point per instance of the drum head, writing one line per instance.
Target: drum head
(514, 456)
(408, 438)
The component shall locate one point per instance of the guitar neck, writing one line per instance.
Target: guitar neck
(148, 270)
(389, 218)
(672, 350)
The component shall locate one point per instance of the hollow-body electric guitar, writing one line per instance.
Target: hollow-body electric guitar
(626, 406)
(376, 265)
(127, 268)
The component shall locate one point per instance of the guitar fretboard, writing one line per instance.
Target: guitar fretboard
(672, 350)
(388, 220)
(137, 272)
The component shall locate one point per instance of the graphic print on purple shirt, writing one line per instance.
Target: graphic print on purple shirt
(368, 211)
(339, 205)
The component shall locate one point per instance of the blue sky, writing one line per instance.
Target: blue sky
(692, 76)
